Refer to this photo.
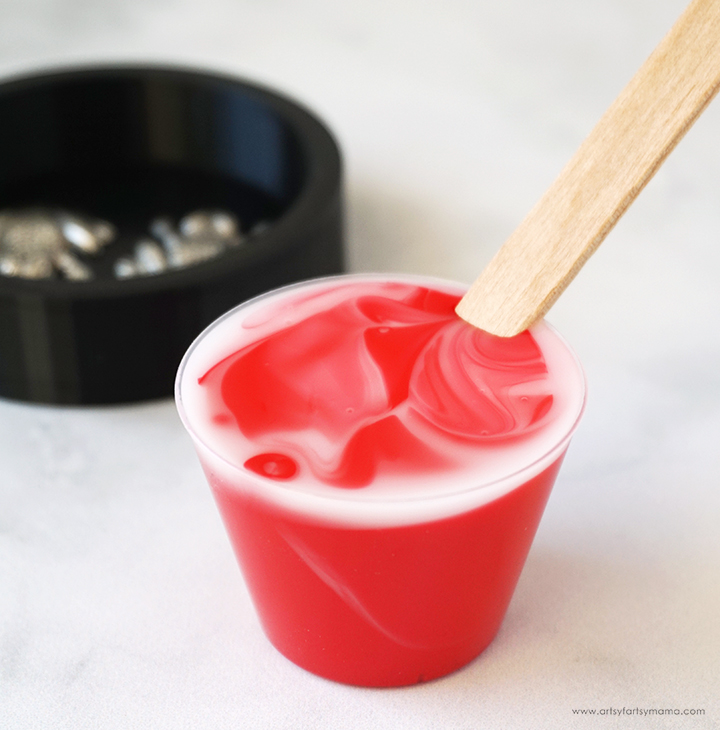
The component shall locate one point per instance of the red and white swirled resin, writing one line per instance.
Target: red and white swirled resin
(372, 388)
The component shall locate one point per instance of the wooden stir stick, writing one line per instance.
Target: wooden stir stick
(610, 168)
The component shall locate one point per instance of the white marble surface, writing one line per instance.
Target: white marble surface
(120, 602)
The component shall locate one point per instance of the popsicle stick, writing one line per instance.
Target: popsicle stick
(610, 168)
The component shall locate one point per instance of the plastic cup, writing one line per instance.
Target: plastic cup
(381, 590)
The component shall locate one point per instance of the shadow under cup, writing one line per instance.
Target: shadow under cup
(373, 600)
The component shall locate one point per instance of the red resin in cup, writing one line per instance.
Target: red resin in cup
(381, 467)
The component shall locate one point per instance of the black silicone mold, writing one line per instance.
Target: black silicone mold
(130, 143)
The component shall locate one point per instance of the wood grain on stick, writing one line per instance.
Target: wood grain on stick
(611, 167)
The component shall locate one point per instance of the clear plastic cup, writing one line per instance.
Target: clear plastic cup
(365, 585)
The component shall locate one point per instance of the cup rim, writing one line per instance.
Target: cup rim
(383, 509)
